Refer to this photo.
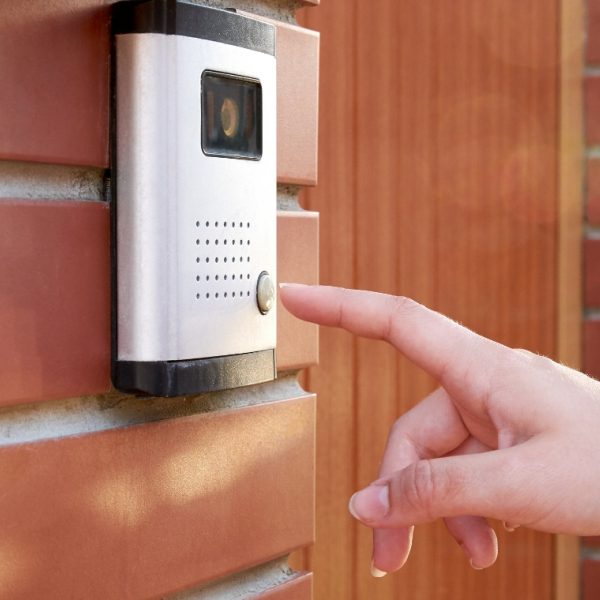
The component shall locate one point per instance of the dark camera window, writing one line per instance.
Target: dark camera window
(231, 116)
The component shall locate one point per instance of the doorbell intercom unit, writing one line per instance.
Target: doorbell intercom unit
(193, 181)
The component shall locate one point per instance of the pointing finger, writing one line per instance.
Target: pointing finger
(451, 353)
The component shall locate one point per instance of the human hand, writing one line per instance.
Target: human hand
(509, 435)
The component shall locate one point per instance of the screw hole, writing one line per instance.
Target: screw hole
(241, 224)
(233, 294)
(225, 295)
(217, 295)
(197, 223)
(225, 277)
(233, 224)
(233, 259)
(207, 259)
(197, 242)
(248, 242)
(197, 259)
(248, 276)
(233, 277)
(248, 259)
(216, 242)
(207, 224)
(216, 278)
(197, 277)
(207, 295)
(224, 223)
(225, 259)
(225, 242)
(248, 225)
(207, 242)
(197, 296)
(233, 242)
(247, 293)
(208, 278)
(217, 259)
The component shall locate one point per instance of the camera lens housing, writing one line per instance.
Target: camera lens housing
(231, 116)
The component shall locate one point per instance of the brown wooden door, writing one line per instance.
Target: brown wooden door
(439, 162)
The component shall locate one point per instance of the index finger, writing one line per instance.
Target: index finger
(453, 354)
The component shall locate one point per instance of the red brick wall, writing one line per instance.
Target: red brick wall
(107, 495)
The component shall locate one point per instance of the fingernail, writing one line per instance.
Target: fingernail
(411, 531)
(292, 285)
(370, 504)
(377, 572)
(468, 555)
(475, 566)
(510, 527)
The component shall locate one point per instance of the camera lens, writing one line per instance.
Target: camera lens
(230, 117)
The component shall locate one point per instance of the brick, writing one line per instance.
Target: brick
(593, 33)
(593, 191)
(297, 102)
(54, 300)
(54, 93)
(591, 579)
(299, 589)
(591, 541)
(592, 110)
(143, 511)
(591, 273)
(591, 348)
(297, 262)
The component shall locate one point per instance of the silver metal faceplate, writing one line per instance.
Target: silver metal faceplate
(193, 232)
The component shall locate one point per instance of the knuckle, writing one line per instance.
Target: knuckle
(543, 362)
(474, 375)
(402, 304)
(422, 488)
(400, 308)
(524, 352)
(511, 363)
(397, 429)
(532, 359)
(342, 308)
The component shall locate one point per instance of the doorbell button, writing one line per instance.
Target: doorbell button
(265, 293)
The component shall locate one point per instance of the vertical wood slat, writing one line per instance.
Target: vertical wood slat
(377, 212)
(455, 139)
(570, 212)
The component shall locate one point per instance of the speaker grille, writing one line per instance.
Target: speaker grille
(224, 264)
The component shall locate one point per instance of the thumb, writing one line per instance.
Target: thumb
(492, 484)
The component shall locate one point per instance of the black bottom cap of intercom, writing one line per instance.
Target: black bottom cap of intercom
(184, 377)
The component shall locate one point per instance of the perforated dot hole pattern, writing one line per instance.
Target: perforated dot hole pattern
(221, 249)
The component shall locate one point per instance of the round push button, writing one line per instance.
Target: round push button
(265, 293)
